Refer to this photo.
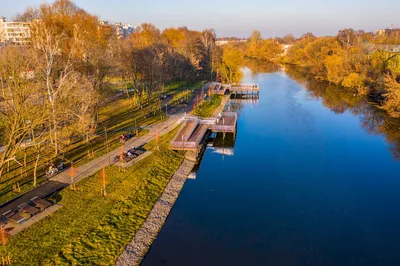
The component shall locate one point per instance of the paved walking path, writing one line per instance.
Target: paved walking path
(63, 179)
(107, 159)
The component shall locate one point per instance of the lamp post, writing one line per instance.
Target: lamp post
(136, 129)
(166, 113)
(108, 154)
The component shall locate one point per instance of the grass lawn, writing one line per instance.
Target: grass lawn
(176, 87)
(206, 108)
(92, 229)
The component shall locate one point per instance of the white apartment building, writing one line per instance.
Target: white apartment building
(14, 32)
(124, 30)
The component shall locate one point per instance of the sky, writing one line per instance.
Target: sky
(239, 17)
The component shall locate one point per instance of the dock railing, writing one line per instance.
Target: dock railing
(231, 127)
(243, 86)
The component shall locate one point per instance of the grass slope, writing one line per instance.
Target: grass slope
(206, 108)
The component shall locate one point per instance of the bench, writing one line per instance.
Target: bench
(41, 203)
(12, 216)
(25, 207)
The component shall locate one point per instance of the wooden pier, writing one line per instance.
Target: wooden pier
(225, 123)
(194, 130)
(240, 88)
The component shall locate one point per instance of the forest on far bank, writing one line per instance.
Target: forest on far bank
(365, 63)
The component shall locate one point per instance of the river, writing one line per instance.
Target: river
(312, 179)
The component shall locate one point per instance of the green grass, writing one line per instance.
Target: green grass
(175, 88)
(92, 229)
(206, 108)
(120, 85)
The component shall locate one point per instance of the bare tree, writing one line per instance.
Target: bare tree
(18, 111)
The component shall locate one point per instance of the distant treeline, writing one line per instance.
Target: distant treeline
(363, 62)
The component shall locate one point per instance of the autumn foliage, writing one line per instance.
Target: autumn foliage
(362, 62)
(53, 88)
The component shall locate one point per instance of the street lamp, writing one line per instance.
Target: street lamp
(166, 113)
(136, 129)
(108, 153)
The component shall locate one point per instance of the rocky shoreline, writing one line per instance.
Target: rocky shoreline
(135, 251)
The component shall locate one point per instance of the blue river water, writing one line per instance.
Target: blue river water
(309, 182)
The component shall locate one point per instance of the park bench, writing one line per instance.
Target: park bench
(12, 216)
(125, 158)
(25, 207)
(40, 203)
(139, 152)
(129, 155)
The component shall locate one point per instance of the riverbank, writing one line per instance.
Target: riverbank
(134, 253)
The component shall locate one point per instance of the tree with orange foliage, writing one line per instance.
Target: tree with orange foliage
(392, 95)
(69, 46)
(146, 35)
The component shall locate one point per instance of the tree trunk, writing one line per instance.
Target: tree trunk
(35, 169)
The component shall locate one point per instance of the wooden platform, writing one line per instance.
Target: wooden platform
(195, 129)
(223, 89)
(226, 123)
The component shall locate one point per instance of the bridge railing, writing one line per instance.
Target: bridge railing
(239, 86)
(191, 118)
(234, 114)
(183, 144)
(225, 128)
(208, 121)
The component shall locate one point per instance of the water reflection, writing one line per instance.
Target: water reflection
(261, 66)
(218, 143)
(339, 100)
